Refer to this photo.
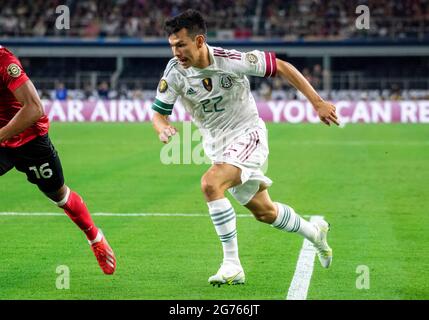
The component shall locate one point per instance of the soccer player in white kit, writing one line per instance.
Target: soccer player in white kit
(212, 86)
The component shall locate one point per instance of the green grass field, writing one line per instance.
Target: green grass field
(371, 182)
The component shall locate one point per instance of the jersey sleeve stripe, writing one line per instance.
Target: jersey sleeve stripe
(273, 63)
(17, 83)
(270, 64)
(161, 110)
(267, 65)
(162, 107)
(232, 57)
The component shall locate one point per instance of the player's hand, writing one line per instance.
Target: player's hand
(326, 112)
(166, 133)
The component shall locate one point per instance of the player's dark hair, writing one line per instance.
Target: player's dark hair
(191, 20)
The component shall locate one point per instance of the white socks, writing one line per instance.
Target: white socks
(224, 220)
(97, 238)
(288, 220)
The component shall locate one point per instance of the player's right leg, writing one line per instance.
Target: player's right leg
(42, 165)
(284, 217)
(214, 183)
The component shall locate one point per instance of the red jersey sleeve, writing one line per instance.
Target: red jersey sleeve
(12, 76)
(11, 72)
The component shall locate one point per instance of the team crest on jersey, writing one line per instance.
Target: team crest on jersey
(14, 70)
(226, 81)
(207, 83)
(163, 86)
(253, 59)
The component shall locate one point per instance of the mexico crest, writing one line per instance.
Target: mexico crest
(226, 81)
(207, 83)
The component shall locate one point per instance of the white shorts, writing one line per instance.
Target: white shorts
(249, 152)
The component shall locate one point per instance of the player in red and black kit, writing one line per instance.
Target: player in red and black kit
(25, 145)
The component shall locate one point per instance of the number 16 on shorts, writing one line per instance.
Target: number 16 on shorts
(43, 172)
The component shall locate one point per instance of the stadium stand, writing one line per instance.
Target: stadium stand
(298, 22)
(287, 19)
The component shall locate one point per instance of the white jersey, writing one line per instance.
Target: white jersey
(218, 97)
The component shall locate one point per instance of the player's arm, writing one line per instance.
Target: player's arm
(163, 104)
(31, 111)
(324, 109)
(163, 127)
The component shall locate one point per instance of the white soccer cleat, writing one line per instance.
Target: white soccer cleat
(229, 274)
(324, 252)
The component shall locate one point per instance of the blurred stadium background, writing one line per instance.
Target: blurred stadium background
(370, 180)
(117, 49)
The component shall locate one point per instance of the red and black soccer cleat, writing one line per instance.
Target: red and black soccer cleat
(104, 254)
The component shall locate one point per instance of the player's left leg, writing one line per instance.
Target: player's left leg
(42, 165)
(74, 206)
(284, 217)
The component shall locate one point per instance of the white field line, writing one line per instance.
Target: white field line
(357, 143)
(360, 143)
(107, 214)
(304, 269)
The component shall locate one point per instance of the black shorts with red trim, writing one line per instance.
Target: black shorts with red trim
(38, 159)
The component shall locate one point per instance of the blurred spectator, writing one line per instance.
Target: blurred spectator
(395, 92)
(137, 94)
(92, 29)
(265, 91)
(60, 91)
(307, 75)
(132, 27)
(103, 90)
(317, 76)
(123, 92)
(40, 29)
(88, 91)
(44, 94)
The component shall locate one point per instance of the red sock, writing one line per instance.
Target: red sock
(76, 209)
